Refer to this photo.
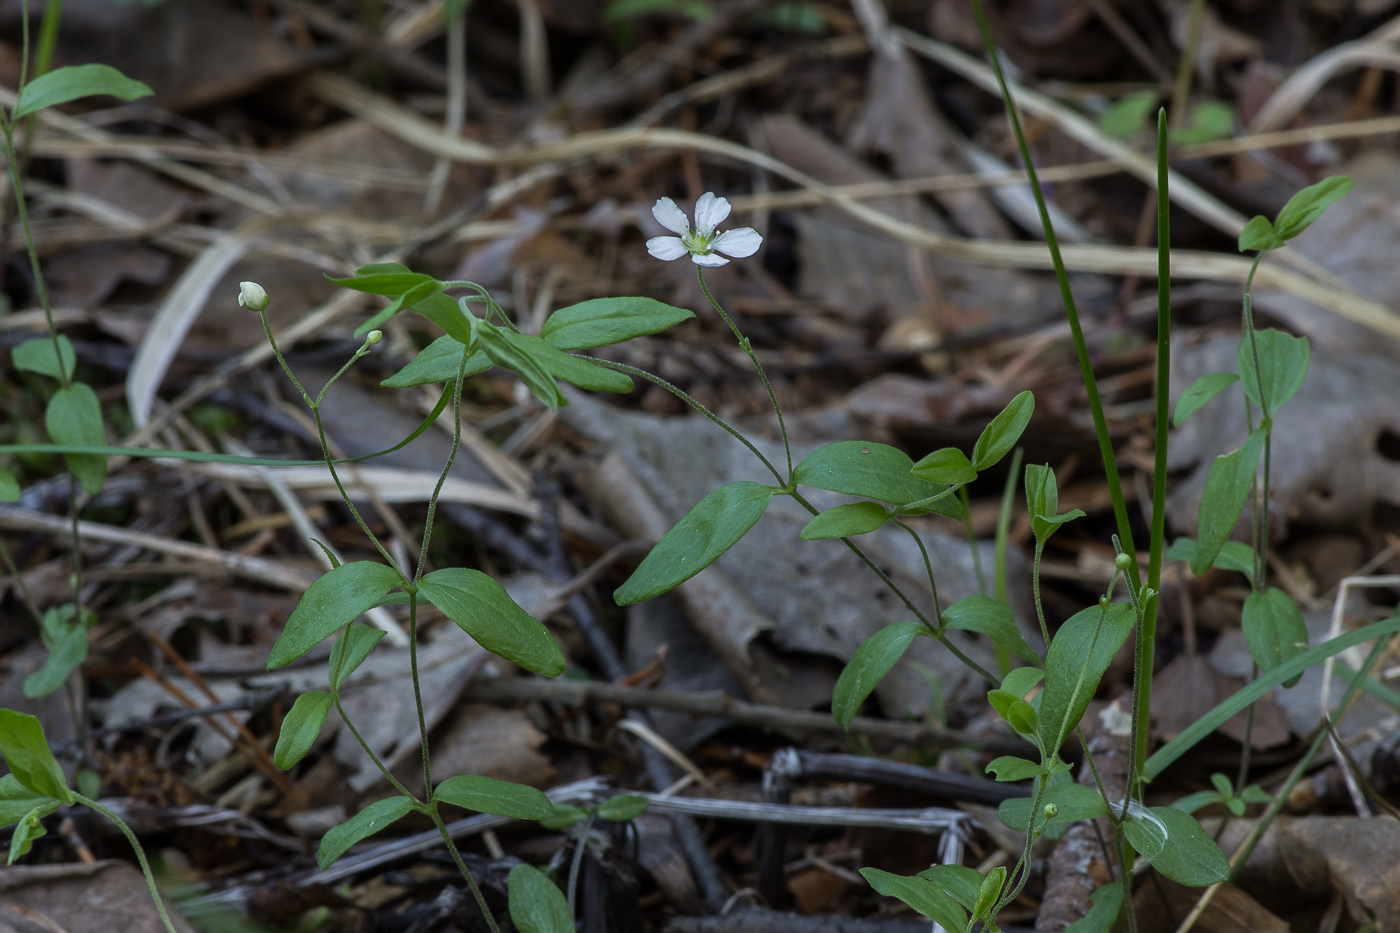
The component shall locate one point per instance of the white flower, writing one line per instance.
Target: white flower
(702, 243)
(252, 296)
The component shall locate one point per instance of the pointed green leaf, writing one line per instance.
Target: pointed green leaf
(623, 807)
(1019, 682)
(72, 82)
(872, 660)
(16, 800)
(1259, 234)
(1043, 503)
(1188, 856)
(1234, 555)
(948, 466)
(572, 369)
(1009, 768)
(989, 893)
(875, 471)
(536, 903)
(350, 651)
(1078, 656)
(959, 882)
(605, 321)
(362, 825)
(846, 521)
(67, 643)
(564, 817)
(716, 523)
(28, 829)
(1223, 500)
(1145, 830)
(26, 751)
(75, 417)
(1307, 205)
(1210, 120)
(991, 617)
(1283, 364)
(301, 727)
(1127, 116)
(338, 598)
(439, 361)
(488, 795)
(1193, 802)
(1108, 904)
(521, 358)
(919, 893)
(1003, 432)
(37, 356)
(484, 610)
(389, 279)
(1202, 391)
(440, 308)
(1274, 629)
(1256, 689)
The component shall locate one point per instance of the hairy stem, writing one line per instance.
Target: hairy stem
(462, 867)
(388, 776)
(418, 691)
(140, 856)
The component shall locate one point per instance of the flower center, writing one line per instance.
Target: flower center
(698, 242)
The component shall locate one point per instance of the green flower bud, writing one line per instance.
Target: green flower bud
(1051, 811)
(252, 296)
(1123, 561)
(1103, 602)
(373, 337)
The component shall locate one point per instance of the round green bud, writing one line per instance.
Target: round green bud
(1051, 811)
(1103, 602)
(374, 337)
(252, 296)
(1123, 561)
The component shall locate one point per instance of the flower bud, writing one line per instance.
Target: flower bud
(1103, 602)
(1123, 561)
(1051, 811)
(373, 337)
(252, 296)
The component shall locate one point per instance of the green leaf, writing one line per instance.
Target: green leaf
(947, 466)
(484, 610)
(1256, 689)
(1009, 768)
(536, 903)
(1003, 432)
(1202, 391)
(1222, 784)
(990, 891)
(1019, 682)
(74, 416)
(439, 361)
(1108, 904)
(37, 356)
(1210, 120)
(440, 308)
(872, 660)
(16, 800)
(1234, 555)
(1274, 629)
(564, 817)
(1307, 205)
(67, 642)
(488, 795)
(1193, 802)
(623, 807)
(350, 651)
(716, 523)
(992, 618)
(301, 727)
(1073, 801)
(389, 279)
(1283, 364)
(522, 359)
(875, 471)
(573, 369)
(1127, 116)
(605, 321)
(1078, 656)
(1227, 490)
(1043, 502)
(1259, 234)
(338, 598)
(9, 487)
(959, 882)
(25, 750)
(846, 521)
(28, 829)
(919, 893)
(72, 82)
(1189, 856)
(366, 823)
(1145, 830)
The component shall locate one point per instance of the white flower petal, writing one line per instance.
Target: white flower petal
(708, 259)
(666, 247)
(738, 243)
(710, 212)
(670, 216)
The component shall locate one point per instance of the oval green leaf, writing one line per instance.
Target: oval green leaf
(872, 660)
(623, 807)
(74, 417)
(523, 358)
(1201, 391)
(37, 356)
(1223, 500)
(1189, 856)
(26, 751)
(875, 471)
(716, 523)
(1274, 629)
(350, 651)
(604, 321)
(1259, 234)
(362, 825)
(990, 617)
(439, 361)
(1307, 205)
(1078, 656)
(948, 466)
(572, 369)
(536, 903)
(72, 82)
(919, 893)
(301, 727)
(1003, 432)
(484, 610)
(1283, 364)
(338, 598)
(488, 795)
(845, 521)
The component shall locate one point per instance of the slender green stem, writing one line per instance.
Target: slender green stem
(25, 596)
(1248, 740)
(446, 469)
(140, 856)
(1086, 368)
(1002, 540)
(418, 691)
(928, 568)
(388, 776)
(1035, 591)
(972, 539)
(1126, 872)
(1094, 770)
(462, 867)
(286, 368)
(680, 393)
(580, 846)
(753, 358)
